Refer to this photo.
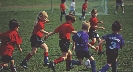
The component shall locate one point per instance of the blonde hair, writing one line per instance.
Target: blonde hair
(42, 14)
(85, 25)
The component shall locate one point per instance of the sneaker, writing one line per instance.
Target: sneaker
(13, 69)
(24, 64)
(52, 65)
(46, 64)
(1, 67)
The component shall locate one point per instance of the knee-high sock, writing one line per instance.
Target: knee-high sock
(28, 57)
(60, 59)
(68, 61)
(93, 65)
(105, 68)
(74, 62)
(100, 48)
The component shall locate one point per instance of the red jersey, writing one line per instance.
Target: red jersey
(39, 26)
(64, 30)
(8, 41)
(93, 22)
(62, 7)
(84, 6)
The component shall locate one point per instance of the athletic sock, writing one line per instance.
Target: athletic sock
(46, 57)
(93, 65)
(60, 59)
(28, 57)
(105, 68)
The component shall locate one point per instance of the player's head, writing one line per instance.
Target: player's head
(85, 25)
(116, 26)
(13, 24)
(42, 16)
(94, 12)
(63, 1)
(86, 1)
(73, 0)
(70, 18)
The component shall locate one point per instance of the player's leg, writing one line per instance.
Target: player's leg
(12, 66)
(122, 7)
(45, 47)
(100, 47)
(116, 9)
(114, 62)
(5, 61)
(26, 59)
(61, 16)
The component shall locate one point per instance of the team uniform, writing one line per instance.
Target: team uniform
(8, 41)
(119, 2)
(81, 48)
(64, 35)
(113, 43)
(92, 32)
(84, 8)
(62, 8)
(37, 35)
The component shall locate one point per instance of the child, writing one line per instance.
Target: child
(84, 10)
(35, 39)
(114, 42)
(64, 31)
(80, 44)
(9, 40)
(72, 7)
(94, 26)
(119, 3)
(62, 9)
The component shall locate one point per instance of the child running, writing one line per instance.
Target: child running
(35, 39)
(114, 42)
(62, 9)
(81, 46)
(93, 35)
(64, 31)
(9, 40)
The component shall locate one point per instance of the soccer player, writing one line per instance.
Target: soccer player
(119, 3)
(114, 42)
(81, 46)
(93, 35)
(64, 31)
(62, 9)
(35, 39)
(9, 40)
(72, 7)
(84, 10)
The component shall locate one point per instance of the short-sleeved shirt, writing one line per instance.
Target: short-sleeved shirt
(93, 22)
(84, 6)
(62, 7)
(81, 41)
(72, 6)
(64, 30)
(39, 26)
(113, 41)
(8, 41)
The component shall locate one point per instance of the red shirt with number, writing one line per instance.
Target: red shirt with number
(39, 26)
(8, 41)
(62, 7)
(64, 30)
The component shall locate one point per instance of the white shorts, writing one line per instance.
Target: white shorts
(72, 9)
(119, 4)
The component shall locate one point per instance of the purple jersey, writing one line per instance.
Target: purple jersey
(81, 40)
(113, 41)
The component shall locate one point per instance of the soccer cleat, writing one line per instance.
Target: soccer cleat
(24, 64)
(13, 69)
(1, 67)
(52, 65)
(46, 64)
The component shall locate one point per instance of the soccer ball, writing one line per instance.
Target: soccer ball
(87, 64)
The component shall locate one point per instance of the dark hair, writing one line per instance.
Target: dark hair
(63, 1)
(70, 17)
(13, 24)
(94, 11)
(116, 26)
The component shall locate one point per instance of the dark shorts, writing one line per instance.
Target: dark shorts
(6, 59)
(82, 54)
(64, 45)
(112, 54)
(92, 34)
(83, 12)
(63, 12)
(35, 41)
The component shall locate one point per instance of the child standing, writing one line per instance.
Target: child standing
(84, 10)
(72, 7)
(114, 42)
(62, 9)
(9, 40)
(121, 4)
(93, 35)
(64, 31)
(81, 45)
(35, 39)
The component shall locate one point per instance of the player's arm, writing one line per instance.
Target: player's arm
(93, 47)
(73, 32)
(73, 46)
(100, 43)
(100, 27)
(45, 32)
(49, 34)
(19, 48)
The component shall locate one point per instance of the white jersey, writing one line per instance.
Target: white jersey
(72, 6)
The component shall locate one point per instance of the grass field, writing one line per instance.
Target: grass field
(25, 11)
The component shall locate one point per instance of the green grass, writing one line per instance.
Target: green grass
(26, 11)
